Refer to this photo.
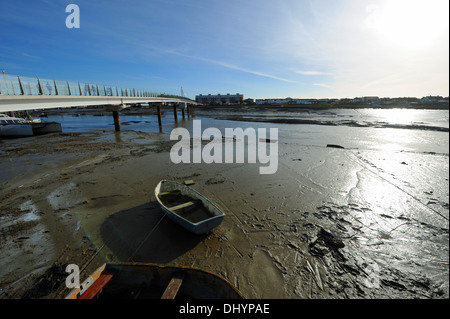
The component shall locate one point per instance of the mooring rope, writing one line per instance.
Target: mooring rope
(146, 237)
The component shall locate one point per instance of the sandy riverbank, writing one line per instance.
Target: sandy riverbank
(87, 198)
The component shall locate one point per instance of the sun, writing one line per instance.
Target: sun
(408, 23)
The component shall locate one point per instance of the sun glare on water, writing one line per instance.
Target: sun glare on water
(408, 23)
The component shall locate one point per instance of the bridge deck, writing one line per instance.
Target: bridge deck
(19, 93)
(30, 102)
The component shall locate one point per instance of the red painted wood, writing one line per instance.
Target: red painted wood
(97, 285)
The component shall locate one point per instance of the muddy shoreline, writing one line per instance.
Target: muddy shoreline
(87, 198)
(350, 123)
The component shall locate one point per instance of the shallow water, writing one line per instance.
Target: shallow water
(391, 129)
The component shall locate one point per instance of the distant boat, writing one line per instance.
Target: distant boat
(46, 127)
(17, 127)
(30, 120)
(14, 126)
(153, 281)
(187, 207)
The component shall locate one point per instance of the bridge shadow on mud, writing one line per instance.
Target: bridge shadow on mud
(145, 234)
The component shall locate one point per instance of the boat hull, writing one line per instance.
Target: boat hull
(199, 227)
(149, 281)
(16, 130)
(46, 127)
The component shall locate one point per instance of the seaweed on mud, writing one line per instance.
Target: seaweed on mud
(47, 283)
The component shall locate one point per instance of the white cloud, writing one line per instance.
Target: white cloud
(324, 85)
(312, 73)
(234, 67)
(225, 65)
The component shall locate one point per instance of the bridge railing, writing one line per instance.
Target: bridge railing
(24, 85)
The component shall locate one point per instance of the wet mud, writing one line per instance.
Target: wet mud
(331, 223)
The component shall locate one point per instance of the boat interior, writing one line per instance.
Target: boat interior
(185, 206)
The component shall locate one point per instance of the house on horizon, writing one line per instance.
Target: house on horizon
(220, 99)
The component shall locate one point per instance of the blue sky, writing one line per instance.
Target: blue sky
(261, 48)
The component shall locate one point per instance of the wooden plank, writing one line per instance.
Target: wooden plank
(169, 193)
(174, 208)
(173, 286)
(98, 285)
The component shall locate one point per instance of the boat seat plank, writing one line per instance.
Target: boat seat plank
(173, 286)
(184, 205)
(169, 193)
(98, 285)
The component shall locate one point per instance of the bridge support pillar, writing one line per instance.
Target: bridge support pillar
(116, 120)
(183, 111)
(158, 108)
(175, 116)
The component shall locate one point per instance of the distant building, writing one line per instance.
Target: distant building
(431, 99)
(260, 101)
(368, 99)
(289, 101)
(220, 99)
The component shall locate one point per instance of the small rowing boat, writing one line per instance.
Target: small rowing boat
(153, 281)
(187, 207)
